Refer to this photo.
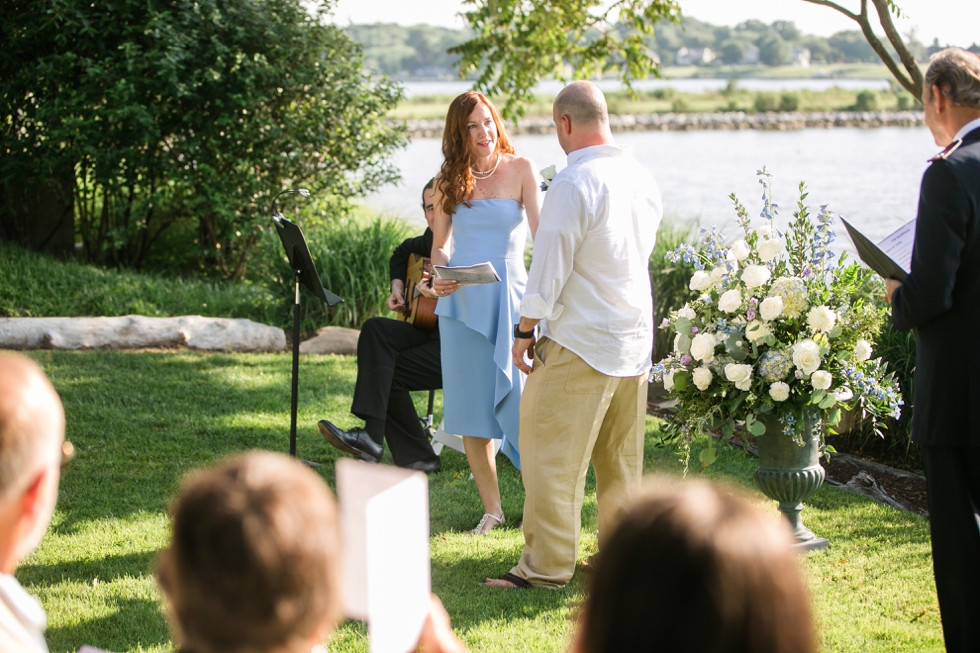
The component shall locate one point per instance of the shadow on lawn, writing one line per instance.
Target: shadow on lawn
(104, 569)
(133, 624)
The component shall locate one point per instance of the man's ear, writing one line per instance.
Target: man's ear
(566, 124)
(31, 498)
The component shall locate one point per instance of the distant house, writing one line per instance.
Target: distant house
(694, 56)
(800, 57)
(751, 55)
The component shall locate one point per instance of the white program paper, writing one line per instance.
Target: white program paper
(384, 517)
(898, 245)
(468, 275)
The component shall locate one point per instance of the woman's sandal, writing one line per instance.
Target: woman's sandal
(483, 522)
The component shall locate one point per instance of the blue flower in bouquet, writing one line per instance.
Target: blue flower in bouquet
(775, 365)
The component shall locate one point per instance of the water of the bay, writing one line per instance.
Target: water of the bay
(685, 85)
(870, 176)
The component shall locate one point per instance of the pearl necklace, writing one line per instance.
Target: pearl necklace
(485, 174)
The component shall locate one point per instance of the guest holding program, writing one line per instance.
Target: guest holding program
(940, 299)
(589, 287)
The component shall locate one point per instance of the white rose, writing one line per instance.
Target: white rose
(702, 378)
(821, 319)
(806, 356)
(700, 281)
(730, 301)
(549, 173)
(770, 249)
(739, 251)
(821, 380)
(669, 380)
(755, 275)
(687, 312)
(756, 330)
(771, 308)
(862, 350)
(765, 231)
(779, 391)
(717, 274)
(740, 375)
(703, 347)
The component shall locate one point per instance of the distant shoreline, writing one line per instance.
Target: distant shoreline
(728, 120)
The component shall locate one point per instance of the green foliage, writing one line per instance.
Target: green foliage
(418, 50)
(516, 43)
(186, 117)
(789, 101)
(40, 286)
(773, 50)
(669, 280)
(866, 101)
(765, 102)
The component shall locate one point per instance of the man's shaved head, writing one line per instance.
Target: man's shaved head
(584, 103)
(32, 423)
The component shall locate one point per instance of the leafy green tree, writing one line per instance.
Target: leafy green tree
(517, 42)
(773, 50)
(852, 46)
(732, 51)
(787, 29)
(177, 120)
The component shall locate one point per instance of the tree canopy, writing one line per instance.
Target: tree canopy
(177, 121)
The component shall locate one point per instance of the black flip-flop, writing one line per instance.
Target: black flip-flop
(515, 580)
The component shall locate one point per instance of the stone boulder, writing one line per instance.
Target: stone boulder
(139, 332)
(331, 340)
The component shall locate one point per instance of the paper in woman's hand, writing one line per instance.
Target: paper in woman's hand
(892, 257)
(468, 275)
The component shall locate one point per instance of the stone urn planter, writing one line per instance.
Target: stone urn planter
(789, 474)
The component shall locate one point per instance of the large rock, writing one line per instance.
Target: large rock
(331, 340)
(138, 332)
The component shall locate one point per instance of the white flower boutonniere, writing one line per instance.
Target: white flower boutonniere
(548, 174)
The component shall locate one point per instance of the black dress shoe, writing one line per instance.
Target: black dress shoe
(427, 466)
(355, 441)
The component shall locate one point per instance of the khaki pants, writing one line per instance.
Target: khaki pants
(570, 413)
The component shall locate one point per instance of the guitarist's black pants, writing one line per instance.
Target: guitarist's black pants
(394, 358)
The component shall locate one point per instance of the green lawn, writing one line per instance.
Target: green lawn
(140, 420)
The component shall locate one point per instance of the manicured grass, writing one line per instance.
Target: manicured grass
(141, 420)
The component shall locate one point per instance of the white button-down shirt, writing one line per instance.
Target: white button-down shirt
(589, 279)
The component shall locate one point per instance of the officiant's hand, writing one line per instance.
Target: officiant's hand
(891, 285)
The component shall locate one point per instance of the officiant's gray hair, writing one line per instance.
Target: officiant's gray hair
(584, 103)
(957, 74)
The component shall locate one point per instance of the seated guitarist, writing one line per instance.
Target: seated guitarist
(394, 358)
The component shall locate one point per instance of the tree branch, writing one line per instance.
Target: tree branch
(908, 61)
(834, 5)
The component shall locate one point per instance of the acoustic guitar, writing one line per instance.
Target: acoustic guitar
(420, 310)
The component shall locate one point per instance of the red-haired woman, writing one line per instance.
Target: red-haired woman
(486, 199)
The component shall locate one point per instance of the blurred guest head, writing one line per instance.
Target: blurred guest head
(694, 567)
(32, 433)
(252, 563)
(428, 199)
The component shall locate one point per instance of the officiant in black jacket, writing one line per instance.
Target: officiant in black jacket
(940, 299)
(394, 358)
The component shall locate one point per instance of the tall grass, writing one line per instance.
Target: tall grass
(669, 280)
(351, 256)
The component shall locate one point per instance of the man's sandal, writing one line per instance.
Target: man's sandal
(516, 582)
(483, 522)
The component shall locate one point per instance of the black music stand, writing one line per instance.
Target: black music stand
(304, 271)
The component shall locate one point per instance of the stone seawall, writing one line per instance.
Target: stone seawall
(707, 121)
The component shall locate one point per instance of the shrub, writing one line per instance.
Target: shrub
(679, 105)
(765, 102)
(865, 101)
(789, 101)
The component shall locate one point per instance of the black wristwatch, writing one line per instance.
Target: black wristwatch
(522, 334)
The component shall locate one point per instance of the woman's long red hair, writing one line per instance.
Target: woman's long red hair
(455, 180)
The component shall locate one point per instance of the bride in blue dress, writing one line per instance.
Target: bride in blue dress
(487, 199)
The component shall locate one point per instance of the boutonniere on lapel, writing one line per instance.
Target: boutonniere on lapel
(548, 174)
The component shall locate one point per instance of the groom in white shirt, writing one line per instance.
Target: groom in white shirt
(588, 294)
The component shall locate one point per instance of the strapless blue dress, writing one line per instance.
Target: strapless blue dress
(481, 385)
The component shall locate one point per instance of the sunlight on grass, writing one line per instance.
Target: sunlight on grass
(141, 420)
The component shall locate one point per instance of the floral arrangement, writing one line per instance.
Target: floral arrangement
(547, 175)
(776, 332)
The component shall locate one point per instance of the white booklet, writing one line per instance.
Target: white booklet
(468, 275)
(384, 526)
(892, 257)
